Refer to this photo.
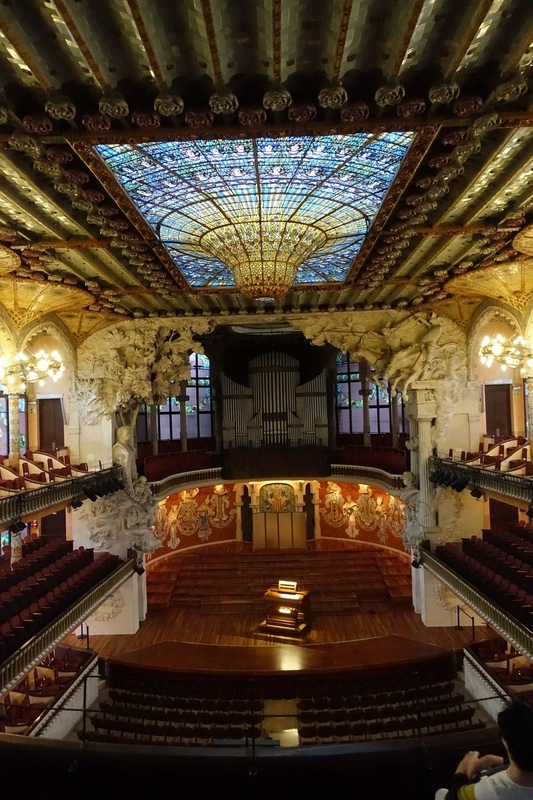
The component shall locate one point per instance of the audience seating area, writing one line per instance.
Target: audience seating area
(40, 689)
(177, 714)
(500, 565)
(390, 709)
(48, 578)
(38, 468)
(511, 455)
(348, 710)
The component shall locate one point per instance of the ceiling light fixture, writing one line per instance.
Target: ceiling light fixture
(25, 368)
(513, 353)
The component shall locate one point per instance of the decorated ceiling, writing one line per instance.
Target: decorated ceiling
(381, 148)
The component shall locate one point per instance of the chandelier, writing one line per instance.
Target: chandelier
(28, 368)
(514, 352)
(264, 254)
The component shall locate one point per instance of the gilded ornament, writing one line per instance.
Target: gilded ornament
(224, 102)
(508, 91)
(468, 105)
(146, 119)
(390, 94)
(78, 176)
(199, 118)
(352, 112)
(302, 112)
(277, 100)
(252, 116)
(332, 97)
(26, 144)
(48, 168)
(60, 107)
(463, 151)
(484, 124)
(114, 106)
(169, 105)
(4, 115)
(37, 123)
(95, 122)
(444, 92)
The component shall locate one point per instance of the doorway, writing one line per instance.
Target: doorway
(51, 424)
(498, 409)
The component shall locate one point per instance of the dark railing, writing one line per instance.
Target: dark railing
(24, 504)
(517, 487)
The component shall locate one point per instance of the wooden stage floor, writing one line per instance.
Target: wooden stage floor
(240, 632)
(370, 635)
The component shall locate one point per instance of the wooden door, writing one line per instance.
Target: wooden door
(498, 409)
(51, 424)
(502, 514)
(54, 526)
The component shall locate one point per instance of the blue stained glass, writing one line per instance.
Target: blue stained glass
(185, 189)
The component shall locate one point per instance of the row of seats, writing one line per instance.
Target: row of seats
(367, 694)
(414, 726)
(28, 591)
(354, 708)
(128, 731)
(507, 595)
(34, 560)
(21, 627)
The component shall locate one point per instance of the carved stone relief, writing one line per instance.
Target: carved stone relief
(134, 363)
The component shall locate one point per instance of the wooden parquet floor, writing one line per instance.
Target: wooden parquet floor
(191, 624)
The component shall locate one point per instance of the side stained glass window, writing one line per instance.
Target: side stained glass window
(198, 408)
(349, 401)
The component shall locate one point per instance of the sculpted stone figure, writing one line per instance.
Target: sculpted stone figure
(410, 496)
(124, 456)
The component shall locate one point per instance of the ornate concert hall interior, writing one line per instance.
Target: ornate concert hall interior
(265, 315)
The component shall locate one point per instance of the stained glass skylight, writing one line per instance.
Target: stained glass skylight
(310, 200)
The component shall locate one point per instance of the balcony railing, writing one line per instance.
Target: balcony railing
(24, 504)
(184, 480)
(31, 653)
(517, 487)
(510, 629)
(372, 475)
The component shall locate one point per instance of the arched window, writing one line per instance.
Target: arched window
(350, 401)
(198, 408)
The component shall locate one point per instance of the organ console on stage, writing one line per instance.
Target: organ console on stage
(288, 610)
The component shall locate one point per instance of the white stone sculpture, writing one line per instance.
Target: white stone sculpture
(410, 496)
(124, 454)
(123, 521)
(132, 363)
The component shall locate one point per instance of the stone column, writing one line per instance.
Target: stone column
(394, 422)
(422, 407)
(412, 445)
(365, 393)
(14, 446)
(529, 384)
(183, 397)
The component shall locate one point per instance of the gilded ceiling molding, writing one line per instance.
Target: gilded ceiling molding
(133, 363)
(463, 39)
(212, 40)
(18, 44)
(418, 150)
(276, 39)
(99, 77)
(146, 41)
(89, 157)
(341, 37)
(406, 37)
